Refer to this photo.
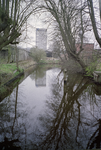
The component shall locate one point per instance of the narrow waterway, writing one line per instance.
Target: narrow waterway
(50, 110)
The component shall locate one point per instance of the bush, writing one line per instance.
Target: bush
(90, 69)
(38, 55)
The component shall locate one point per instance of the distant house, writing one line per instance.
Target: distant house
(4, 53)
(97, 52)
(48, 53)
(10, 55)
(87, 48)
(87, 53)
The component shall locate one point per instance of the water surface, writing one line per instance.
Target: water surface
(51, 110)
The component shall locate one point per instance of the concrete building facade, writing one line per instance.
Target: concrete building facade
(41, 38)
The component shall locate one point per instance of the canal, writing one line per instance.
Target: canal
(44, 112)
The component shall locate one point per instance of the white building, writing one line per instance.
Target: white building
(41, 38)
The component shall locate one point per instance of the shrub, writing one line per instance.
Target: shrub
(90, 69)
(37, 54)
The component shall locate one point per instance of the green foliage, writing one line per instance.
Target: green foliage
(8, 68)
(38, 55)
(90, 69)
(8, 71)
(2, 89)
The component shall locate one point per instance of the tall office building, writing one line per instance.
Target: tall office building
(41, 38)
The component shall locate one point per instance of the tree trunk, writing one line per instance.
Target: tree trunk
(82, 64)
(92, 17)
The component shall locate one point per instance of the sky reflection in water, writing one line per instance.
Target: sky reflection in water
(44, 112)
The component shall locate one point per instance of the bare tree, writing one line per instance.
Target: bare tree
(100, 8)
(13, 15)
(69, 15)
(93, 20)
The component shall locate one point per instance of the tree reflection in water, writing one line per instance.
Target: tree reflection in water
(71, 118)
(7, 124)
(9, 145)
(95, 139)
(68, 122)
(13, 124)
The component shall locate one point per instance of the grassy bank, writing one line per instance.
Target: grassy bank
(8, 68)
(7, 72)
(94, 66)
(8, 75)
(7, 88)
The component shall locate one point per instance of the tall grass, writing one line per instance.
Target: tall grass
(8, 71)
(8, 68)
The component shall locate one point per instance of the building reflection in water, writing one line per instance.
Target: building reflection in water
(71, 117)
(39, 75)
(40, 81)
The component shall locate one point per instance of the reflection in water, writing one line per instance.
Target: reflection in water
(68, 120)
(40, 79)
(95, 139)
(59, 115)
(8, 125)
(97, 89)
(9, 145)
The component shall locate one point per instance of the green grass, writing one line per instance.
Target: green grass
(2, 89)
(7, 72)
(8, 68)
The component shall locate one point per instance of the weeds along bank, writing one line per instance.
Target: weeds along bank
(8, 75)
(7, 88)
(9, 71)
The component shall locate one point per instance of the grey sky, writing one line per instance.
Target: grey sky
(37, 21)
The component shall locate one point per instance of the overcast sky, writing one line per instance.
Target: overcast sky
(28, 38)
(37, 21)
